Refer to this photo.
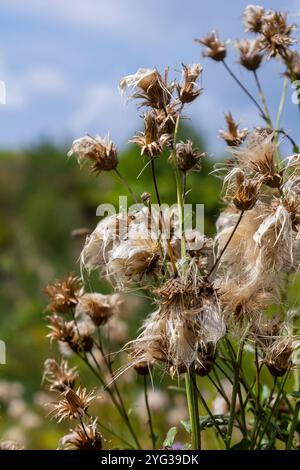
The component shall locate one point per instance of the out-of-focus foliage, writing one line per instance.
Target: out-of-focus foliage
(43, 197)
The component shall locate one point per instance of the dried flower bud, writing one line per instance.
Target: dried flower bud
(250, 55)
(88, 438)
(150, 141)
(142, 368)
(253, 18)
(64, 294)
(246, 194)
(188, 158)
(215, 49)
(60, 376)
(100, 308)
(73, 405)
(205, 363)
(149, 86)
(189, 90)
(101, 153)
(232, 136)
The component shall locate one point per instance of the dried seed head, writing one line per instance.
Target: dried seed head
(73, 405)
(189, 90)
(149, 86)
(61, 330)
(188, 158)
(150, 141)
(101, 153)
(100, 308)
(215, 49)
(246, 194)
(64, 294)
(257, 157)
(187, 320)
(233, 136)
(85, 437)
(250, 55)
(166, 119)
(276, 34)
(253, 18)
(278, 358)
(75, 335)
(59, 377)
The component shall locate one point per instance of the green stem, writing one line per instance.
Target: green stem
(150, 423)
(234, 395)
(289, 443)
(192, 400)
(263, 100)
(278, 118)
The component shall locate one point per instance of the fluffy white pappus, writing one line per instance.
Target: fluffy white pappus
(99, 243)
(132, 260)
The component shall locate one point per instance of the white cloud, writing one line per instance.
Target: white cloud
(37, 81)
(100, 109)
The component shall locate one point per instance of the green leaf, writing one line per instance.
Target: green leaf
(295, 394)
(187, 426)
(169, 440)
(295, 149)
(244, 444)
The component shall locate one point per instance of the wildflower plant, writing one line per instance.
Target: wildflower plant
(220, 305)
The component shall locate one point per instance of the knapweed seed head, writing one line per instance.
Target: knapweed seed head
(246, 194)
(188, 158)
(215, 49)
(250, 55)
(64, 294)
(232, 135)
(148, 86)
(151, 142)
(100, 152)
(98, 307)
(276, 34)
(59, 376)
(73, 405)
(189, 90)
(278, 357)
(84, 437)
(253, 17)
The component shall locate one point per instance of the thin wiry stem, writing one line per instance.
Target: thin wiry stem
(150, 423)
(169, 247)
(261, 111)
(124, 181)
(263, 99)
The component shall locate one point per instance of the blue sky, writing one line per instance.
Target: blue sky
(62, 61)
